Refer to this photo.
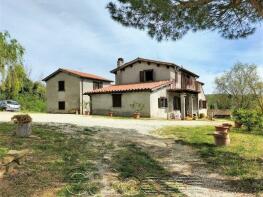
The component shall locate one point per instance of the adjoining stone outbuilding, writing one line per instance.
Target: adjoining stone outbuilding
(66, 88)
(165, 90)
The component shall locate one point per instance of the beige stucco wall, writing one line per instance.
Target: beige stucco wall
(71, 95)
(132, 74)
(157, 112)
(201, 96)
(102, 104)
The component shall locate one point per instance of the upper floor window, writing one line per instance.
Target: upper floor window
(116, 100)
(61, 86)
(146, 75)
(97, 85)
(162, 102)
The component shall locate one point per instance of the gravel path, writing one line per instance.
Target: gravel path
(142, 125)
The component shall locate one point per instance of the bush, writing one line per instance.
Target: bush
(31, 103)
(201, 115)
(249, 118)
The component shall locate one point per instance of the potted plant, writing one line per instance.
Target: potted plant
(110, 113)
(23, 125)
(137, 107)
(222, 129)
(221, 139)
(86, 106)
(227, 125)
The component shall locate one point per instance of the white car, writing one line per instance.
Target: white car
(9, 105)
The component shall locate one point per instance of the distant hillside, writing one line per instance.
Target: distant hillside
(218, 101)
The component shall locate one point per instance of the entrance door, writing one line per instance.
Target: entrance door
(177, 103)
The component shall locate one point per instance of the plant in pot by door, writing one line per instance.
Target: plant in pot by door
(110, 113)
(86, 106)
(23, 125)
(137, 107)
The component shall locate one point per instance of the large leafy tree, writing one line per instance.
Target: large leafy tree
(243, 84)
(165, 19)
(11, 53)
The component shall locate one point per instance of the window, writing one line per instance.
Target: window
(116, 100)
(202, 104)
(162, 102)
(177, 103)
(61, 105)
(176, 76)
(97, 85)
(61, 86)
(146, 75)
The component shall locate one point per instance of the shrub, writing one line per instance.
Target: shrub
(201, 115)
(21, 119)
(249, 118)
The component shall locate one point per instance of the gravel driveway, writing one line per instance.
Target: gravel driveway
(142, 125)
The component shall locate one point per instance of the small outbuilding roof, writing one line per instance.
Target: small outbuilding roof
(149, 86)
(76, 73)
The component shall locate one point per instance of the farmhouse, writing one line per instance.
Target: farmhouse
(160, 89)
(65, 90)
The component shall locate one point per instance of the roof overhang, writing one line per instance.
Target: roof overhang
(155, 62)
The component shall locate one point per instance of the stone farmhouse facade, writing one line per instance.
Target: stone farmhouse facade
(66, 88)
(165, 90)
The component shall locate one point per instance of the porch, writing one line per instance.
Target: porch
(183, 103)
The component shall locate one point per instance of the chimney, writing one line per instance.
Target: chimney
(120, 62)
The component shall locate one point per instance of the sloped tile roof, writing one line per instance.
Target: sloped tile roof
(149, 86)
(77, 73)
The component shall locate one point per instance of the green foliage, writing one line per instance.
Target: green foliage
(172, 19)
(249, 118)
(14, 80)
(219, 101)
(238, 84)
(31, 103)
(11, 52)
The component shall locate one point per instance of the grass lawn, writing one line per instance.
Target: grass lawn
(243, 158)
(63, 163)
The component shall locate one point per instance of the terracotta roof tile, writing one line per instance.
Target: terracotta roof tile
(131, 87)
(86, 75)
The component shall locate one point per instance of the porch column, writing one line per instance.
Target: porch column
(191, 105)
(182, 97)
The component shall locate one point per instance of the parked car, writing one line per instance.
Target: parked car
(9, 105)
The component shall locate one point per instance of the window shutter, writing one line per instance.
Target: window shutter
(141, 76)
(176, 76)
(200, 104)
(204, 104)
(159, 102)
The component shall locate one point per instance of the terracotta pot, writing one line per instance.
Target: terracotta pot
(227, 125)
(110, 114)
(221, 129)
(87, 113)
(136, 115)
(238, 124)
(221, 139)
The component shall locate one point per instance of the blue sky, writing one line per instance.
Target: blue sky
(79, 34)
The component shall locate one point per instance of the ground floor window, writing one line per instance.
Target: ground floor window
(162, 102)
(116, 100)
(202, 104)
(61, 105)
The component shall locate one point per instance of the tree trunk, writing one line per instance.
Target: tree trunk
(23, 130)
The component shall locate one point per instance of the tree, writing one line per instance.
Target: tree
(11, 52)
(14, 81)
(242, 83)
(166, 19)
